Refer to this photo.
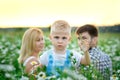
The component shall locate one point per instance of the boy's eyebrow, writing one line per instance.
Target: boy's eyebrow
(56, 36)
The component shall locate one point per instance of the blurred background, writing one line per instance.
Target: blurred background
(18, 15)
(41, 13)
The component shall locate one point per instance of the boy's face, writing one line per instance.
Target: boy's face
(85, 37)
(60, 40)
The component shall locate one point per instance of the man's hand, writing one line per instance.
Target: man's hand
(84, 45)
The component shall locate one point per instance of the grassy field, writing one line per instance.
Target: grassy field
(10, 43)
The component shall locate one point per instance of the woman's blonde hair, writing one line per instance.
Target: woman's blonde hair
(28, 43)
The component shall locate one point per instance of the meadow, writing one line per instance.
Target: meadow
(10, 43)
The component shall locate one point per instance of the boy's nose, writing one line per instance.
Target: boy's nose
(60, 40)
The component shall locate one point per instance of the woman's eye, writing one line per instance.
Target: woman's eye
(38, 39)
(41, 39)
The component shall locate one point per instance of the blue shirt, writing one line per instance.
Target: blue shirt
(59, 59)
(57, 65)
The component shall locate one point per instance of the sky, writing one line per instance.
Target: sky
(42, 13)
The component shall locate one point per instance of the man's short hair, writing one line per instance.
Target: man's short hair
(91, 29)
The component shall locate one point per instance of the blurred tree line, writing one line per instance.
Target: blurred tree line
(115, 28)
(103, 29)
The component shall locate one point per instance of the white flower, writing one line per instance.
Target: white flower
(114, 78)
(41, 76)
(51, 77)
(7, 75)
(6, 67)
(75, 75)
(24, 78)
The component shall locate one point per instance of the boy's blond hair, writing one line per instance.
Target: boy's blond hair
(28, 43)
(60, 26)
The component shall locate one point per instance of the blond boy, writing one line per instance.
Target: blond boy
(58, 57)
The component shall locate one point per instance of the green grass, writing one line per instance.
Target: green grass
(10, 43)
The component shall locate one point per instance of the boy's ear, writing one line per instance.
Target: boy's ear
(50, 37)
(70, 38)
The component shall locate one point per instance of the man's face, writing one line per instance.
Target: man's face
(60, 40)
(83, 37)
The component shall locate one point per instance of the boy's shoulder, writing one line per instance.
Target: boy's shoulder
(74, 52)
(47, 51)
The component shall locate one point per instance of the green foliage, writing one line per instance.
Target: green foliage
(10, 69)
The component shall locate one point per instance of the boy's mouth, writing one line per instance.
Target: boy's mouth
(59, 45)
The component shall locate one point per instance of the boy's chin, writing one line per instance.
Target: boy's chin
(60, 49)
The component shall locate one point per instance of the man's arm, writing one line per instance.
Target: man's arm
(85, 58)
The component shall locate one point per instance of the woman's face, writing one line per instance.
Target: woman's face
(39, 43)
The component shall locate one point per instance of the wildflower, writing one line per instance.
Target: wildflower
(7, 75)
(6, 67)
(75, 76)
(51, 77)
(118, 71)
(41, 76)
(114, 77)
(33, 63)
(24, 78)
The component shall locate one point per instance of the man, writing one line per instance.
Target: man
(99, 59)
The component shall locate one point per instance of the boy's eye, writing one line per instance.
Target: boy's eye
(56, 37)
(64, 38)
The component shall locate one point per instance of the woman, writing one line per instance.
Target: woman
(32, 44)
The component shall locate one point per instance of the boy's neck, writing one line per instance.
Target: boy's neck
(59, 51)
